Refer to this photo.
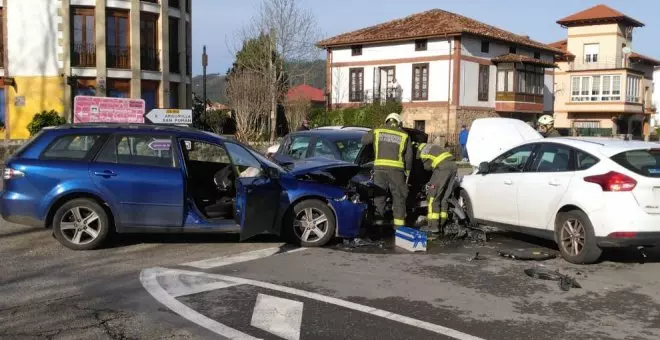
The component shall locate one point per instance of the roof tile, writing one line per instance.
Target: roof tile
(518, 58)
(597, 13)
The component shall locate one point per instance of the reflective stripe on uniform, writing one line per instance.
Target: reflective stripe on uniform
(390, 162)
(440, 158)
(430, 215)
(399, 222)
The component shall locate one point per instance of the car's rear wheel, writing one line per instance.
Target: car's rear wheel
(81, 224)
(575, 238)
(313, 223)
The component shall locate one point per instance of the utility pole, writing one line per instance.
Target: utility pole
(272, 122)
(205, 63)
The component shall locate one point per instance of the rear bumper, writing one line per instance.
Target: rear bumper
(15, 208)
(646, 239)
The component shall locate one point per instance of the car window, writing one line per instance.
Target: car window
(139, 150)
(297, 147)
(324, 149)
(204, 152)
(246, 164)
(75, 147)
(552, 158)
(584, 160)
(642, 162)
(349, 149)
(512, 161)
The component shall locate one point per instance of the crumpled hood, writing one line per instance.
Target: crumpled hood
(325, 170)
(490, 137)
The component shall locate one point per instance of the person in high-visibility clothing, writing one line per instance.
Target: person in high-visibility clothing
(393, 159)
(547, 126)
(441, 162)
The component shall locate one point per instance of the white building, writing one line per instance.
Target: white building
(446, 70)
(656, 94)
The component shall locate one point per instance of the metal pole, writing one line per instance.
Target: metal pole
(205, 62)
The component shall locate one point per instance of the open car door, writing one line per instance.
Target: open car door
(257, 194)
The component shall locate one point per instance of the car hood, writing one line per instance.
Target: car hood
(490, 137)
(324, 170)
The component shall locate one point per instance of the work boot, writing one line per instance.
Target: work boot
(430, 229)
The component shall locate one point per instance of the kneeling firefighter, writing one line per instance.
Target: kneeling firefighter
(438, 159)
(393, 159)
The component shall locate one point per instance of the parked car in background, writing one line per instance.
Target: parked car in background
(87, 181)
(583, 193)
(347, 133)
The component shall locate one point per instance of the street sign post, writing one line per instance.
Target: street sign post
(169, 116)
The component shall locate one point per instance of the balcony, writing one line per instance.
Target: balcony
(597, 63)
(119, 56)
(518, 97)
(150, 58)
(83, 55)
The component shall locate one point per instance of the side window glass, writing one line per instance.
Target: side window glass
(585, 160)
(74, 147)
(323, 149)
(552, 158)
(512, 161)
(139, 150)
(204, 152)
(297, 147)
(246, 165)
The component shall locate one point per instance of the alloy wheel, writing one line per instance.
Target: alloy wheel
(573, 236)
(310, 225)
(80, 225)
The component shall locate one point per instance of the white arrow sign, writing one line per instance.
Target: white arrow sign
(169, 116)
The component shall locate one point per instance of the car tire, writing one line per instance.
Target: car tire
(466, 204)
(81, 224)
(314, 232)
(573, 228)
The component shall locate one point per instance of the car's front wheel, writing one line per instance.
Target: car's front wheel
(576, 238)
(313, 223)
(81, 224)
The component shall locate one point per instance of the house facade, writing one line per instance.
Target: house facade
(445, 69)
(656, 96)
(601, 84)
(54, 50)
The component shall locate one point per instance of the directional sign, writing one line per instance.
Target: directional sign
(168, 116)
(89, 109)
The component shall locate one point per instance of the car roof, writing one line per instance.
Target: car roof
(332, 134)
(115, 127)
(606, 146)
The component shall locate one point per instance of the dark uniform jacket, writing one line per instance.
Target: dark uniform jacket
(392, 148)
(552, 132)
(434, 156)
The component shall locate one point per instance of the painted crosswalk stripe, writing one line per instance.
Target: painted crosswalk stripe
(282, 317)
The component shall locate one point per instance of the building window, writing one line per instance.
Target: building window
(119, 88)
(484, 82)
(420, 81)
(600, 88)
(150, 94)
(188, 49)
(2, 50)
(174, 3)
(384, 83)
(421, 45)
(118, 36)
(83, 49)
(530, 79)
(485, 46)
(356, 50)
(633, 89)
(591, 53)
(505, 81)
(174, 95)
(149, 54)
(86, 87)
(174, 45)
(356, 85)
(420, 125)
(537, 55)
(512, 50)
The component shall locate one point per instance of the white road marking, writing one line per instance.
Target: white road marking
(150, 283)
(282, 317)
(238, 258)
(182, 285)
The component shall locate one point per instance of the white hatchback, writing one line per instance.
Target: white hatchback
(583, 193)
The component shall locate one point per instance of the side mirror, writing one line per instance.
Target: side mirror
(273, 173)
(484, 168)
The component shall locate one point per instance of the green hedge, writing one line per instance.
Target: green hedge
(370, 116)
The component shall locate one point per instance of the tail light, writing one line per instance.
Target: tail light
(623, 234)
(10, 173)
(613, 181)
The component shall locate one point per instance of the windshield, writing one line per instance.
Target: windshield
(641, 162)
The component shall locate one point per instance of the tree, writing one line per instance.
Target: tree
(296, 111)
(289, 33)
(249, 99)
(44, 119)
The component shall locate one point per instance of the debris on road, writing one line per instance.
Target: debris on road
(456, 231)
(410, 239)
(565, 282)
(527, 255)
(361, 242)
(642, 251)
(476, 257)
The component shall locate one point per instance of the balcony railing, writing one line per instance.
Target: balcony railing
(599, 63)
(519, 97)
(150, 59)
(119, 56)
(83, 55)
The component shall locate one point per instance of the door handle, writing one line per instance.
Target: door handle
(508, 181)
(554, 183)
(106, 173)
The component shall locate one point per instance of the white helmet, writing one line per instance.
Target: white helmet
(394, 116)
(546, 120)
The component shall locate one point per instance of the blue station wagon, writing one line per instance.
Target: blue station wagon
(89, 180)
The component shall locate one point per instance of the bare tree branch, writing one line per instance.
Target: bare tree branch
(249, 98)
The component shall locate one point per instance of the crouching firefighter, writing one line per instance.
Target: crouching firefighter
(393, 159)
(440, 161)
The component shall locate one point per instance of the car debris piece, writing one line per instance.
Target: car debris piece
(456, 231)
(565, 282)
(410, 239)
(526, 254)
(642, 251)
(476, 257)
(362, 242)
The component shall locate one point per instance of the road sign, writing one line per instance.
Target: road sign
(168, 116)
(89, 109)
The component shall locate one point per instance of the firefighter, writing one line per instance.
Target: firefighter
(393, 159)
(441, 162)
(547, 126)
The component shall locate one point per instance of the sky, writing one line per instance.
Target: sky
(217, 23)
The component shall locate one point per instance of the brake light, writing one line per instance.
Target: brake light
(613, 181)
(10, 173)
(623, 234)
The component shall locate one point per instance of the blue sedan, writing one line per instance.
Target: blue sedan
(88, 181)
